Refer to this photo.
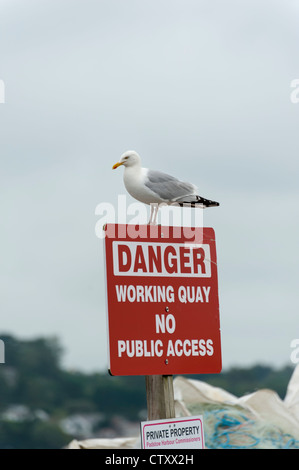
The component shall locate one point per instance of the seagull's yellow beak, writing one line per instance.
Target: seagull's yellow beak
(117, 165)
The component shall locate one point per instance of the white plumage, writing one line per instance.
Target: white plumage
(155, 187)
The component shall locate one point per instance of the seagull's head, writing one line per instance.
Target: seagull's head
(129, 158)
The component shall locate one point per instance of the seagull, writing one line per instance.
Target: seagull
(155, 187)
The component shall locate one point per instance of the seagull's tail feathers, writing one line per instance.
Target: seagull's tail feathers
(196, 201)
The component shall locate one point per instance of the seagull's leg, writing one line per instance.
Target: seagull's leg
(156, 213)
(151, 215)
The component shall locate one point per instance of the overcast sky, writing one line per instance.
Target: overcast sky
(201, 89)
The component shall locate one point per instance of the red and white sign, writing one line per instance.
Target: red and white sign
(176, 433)
(162, 301)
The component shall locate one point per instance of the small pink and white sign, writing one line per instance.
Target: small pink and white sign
(176, 433)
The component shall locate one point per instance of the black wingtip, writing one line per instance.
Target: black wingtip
(207, 202)
(200, 202)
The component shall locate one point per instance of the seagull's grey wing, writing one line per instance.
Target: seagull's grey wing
(167, 187)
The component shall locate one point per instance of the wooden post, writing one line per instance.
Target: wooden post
(160, 397)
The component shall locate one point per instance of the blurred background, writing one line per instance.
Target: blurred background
(200, 89)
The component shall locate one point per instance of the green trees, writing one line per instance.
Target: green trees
(37, 394)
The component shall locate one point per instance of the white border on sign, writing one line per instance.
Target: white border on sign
(132, 246)
(174, 441)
